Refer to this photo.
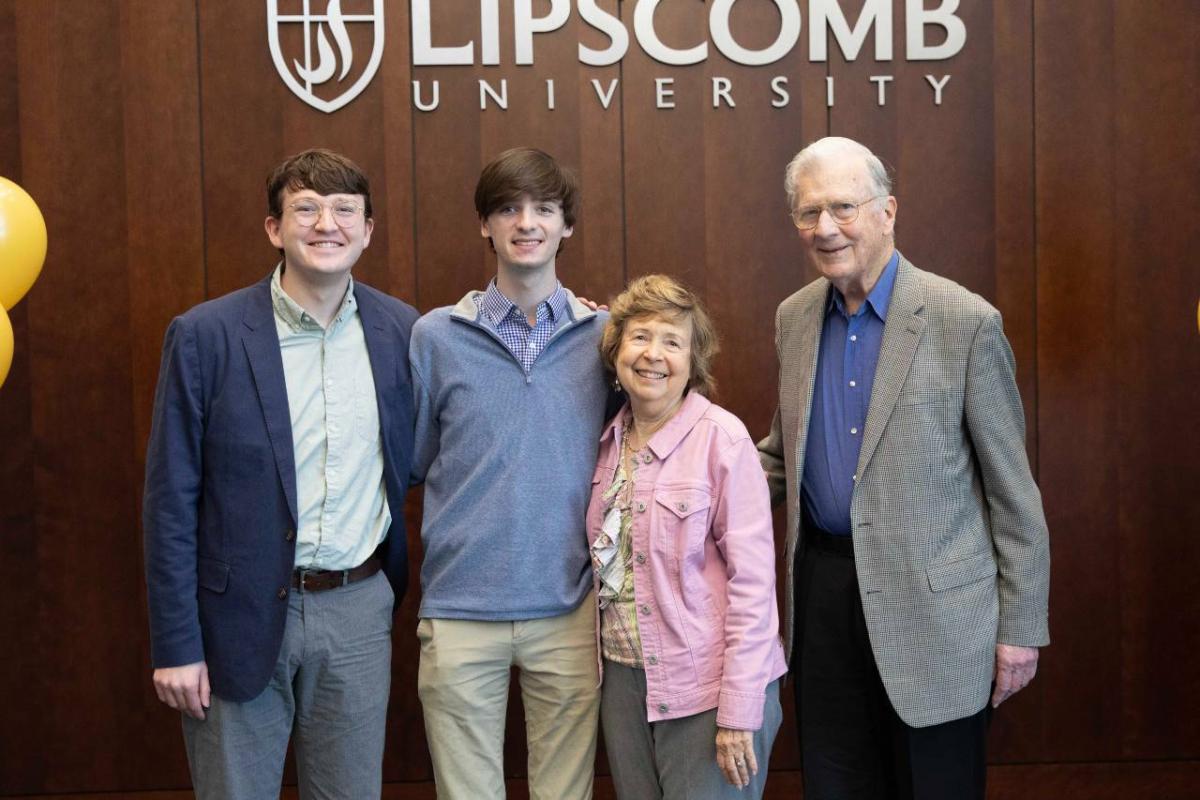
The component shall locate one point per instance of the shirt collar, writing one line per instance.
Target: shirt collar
(668, 437)
(293, 314)
(497, 307)
(879, 299)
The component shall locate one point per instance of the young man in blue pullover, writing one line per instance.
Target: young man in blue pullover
(510, 399)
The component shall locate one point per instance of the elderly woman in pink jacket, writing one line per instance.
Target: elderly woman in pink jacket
(684, 557)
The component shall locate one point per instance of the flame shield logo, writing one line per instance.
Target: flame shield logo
(327, 52)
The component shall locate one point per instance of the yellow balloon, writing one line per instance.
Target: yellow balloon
(22, 242)
(6, 345)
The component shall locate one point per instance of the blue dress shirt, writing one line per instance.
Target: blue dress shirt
(846, 363)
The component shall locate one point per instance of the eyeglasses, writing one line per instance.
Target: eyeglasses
(843, 212)
(307, 212)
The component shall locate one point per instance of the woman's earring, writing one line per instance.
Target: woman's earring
(617, 385)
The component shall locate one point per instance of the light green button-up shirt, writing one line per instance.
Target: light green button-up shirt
(340, 495)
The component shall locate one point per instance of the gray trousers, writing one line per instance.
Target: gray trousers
(673, 759)
(330, 688)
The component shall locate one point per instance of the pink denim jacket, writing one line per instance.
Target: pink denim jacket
(704, 565)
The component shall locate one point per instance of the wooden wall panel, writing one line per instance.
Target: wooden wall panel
(1114, 132)
(18, 529)
(89, 78)
(1157, 352)
(1079, 455)
(1161, 780)
(447, 148)
(1014, 228)
(664, 226)
(595, 263)
(395, 253)
(165, 274)
(242, 111)
(10, 126)
(85, 572)
(1057, 179)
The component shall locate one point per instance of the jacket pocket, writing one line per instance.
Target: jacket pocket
(212, 574)
(682, 518)
(961, 572)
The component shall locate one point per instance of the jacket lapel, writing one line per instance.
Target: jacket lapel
(901, 335)
(807, 327)
(266, 363)
(380, 352)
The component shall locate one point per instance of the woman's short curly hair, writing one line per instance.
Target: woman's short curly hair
(664, 297)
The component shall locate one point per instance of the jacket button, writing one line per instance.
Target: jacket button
(641, 506)
(291, 534)
(681, 506)
(652, 660)
(641, 558)
(281, 594)
(663, 708)
(646, 609)
(647, 458)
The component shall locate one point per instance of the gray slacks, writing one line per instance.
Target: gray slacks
(673, 759)
(330, 688)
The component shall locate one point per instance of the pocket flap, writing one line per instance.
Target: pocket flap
(212, 574)
(961, 572)
(683, 502)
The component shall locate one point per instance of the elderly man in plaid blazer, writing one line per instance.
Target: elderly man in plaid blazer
(917, 551)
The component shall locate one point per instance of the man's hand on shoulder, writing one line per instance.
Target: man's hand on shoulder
(592, 304)
(184, 688)
(1015, 668)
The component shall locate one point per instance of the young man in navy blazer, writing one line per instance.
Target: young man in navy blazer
(275, 480)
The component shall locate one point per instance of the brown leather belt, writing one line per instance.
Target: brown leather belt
(318, 580)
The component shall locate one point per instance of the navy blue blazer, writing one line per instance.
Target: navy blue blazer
(219, 513)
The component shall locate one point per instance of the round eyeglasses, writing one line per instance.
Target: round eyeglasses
(345, 212)
(843, 212)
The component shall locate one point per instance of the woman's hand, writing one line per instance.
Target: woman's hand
(735, 755)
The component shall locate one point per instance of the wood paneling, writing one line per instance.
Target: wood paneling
(1077, 404)
(1057, 179)
(165, 274)
(1161, 780)
(85, 569)
(18, 529)
(1155, 199)
(1015, 265)
(1117, 367)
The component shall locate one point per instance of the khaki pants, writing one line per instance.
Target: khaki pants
(463, 685)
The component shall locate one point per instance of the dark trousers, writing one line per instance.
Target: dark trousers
(853, 745)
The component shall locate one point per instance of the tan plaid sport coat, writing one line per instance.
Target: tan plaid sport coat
(950, 541)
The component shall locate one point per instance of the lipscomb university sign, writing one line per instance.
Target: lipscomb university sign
(325, 57)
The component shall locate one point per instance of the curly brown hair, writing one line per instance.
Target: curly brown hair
(663, 296)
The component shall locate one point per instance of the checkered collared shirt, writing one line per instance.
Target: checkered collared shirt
(525, 342)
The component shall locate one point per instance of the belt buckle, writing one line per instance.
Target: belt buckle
(304, 573)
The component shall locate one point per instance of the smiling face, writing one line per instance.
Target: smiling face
(526, 233)
(852, 255)
(654, 363)
(324, 252)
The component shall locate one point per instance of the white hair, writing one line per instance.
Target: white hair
(829, 146)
